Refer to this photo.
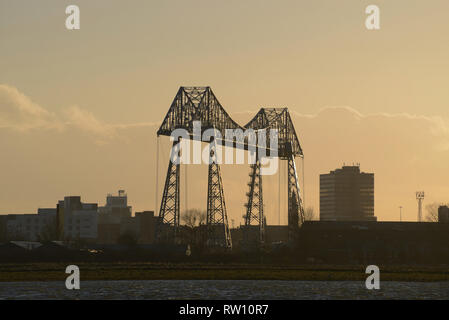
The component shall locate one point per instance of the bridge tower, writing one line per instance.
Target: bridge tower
(295, 206)
(254, 230)
(288, 149)
(194, 104)
(167, 228)
(219, 235)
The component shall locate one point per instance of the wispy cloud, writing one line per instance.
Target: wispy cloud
(19, 113)
(87, 122)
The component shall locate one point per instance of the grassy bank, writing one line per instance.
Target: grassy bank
(158, 271)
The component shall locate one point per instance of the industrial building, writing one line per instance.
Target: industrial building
(379, 243)
(273, 234)
(141, 228)
(347, 194)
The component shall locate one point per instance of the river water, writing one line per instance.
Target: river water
(224, 289)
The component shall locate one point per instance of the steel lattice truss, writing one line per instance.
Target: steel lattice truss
(168, 224)
(254, 209)
(200, 104)
(295, 207)
(196, 104)
(278, 119)
(219, 234)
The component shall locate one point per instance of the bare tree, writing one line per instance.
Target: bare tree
(309, 214)
(193, 218)
(432, 211)
(194, 221)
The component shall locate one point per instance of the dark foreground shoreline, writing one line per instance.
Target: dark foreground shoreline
(185, 271)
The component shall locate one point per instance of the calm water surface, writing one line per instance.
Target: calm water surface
(224, 289)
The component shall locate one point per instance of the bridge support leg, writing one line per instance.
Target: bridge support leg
(295, 206)
(219, 235)
(254, 210)
(167, 230)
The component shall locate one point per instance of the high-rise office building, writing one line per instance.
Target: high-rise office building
(347, 194)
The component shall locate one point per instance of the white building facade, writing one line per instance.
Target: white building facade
(77, 220)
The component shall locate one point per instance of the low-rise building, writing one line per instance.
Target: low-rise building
(115, 209)
(147, 226)
(369, 242)
(115, 220)
(443, 214)
(28, 227)
(141, 227)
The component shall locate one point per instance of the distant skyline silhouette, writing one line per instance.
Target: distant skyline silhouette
(79, 109)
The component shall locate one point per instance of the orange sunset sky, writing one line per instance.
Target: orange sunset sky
(79, 109)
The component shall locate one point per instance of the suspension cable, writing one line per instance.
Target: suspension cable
(303, 184)
(186, 188)
(157, 176)
(279, 193)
